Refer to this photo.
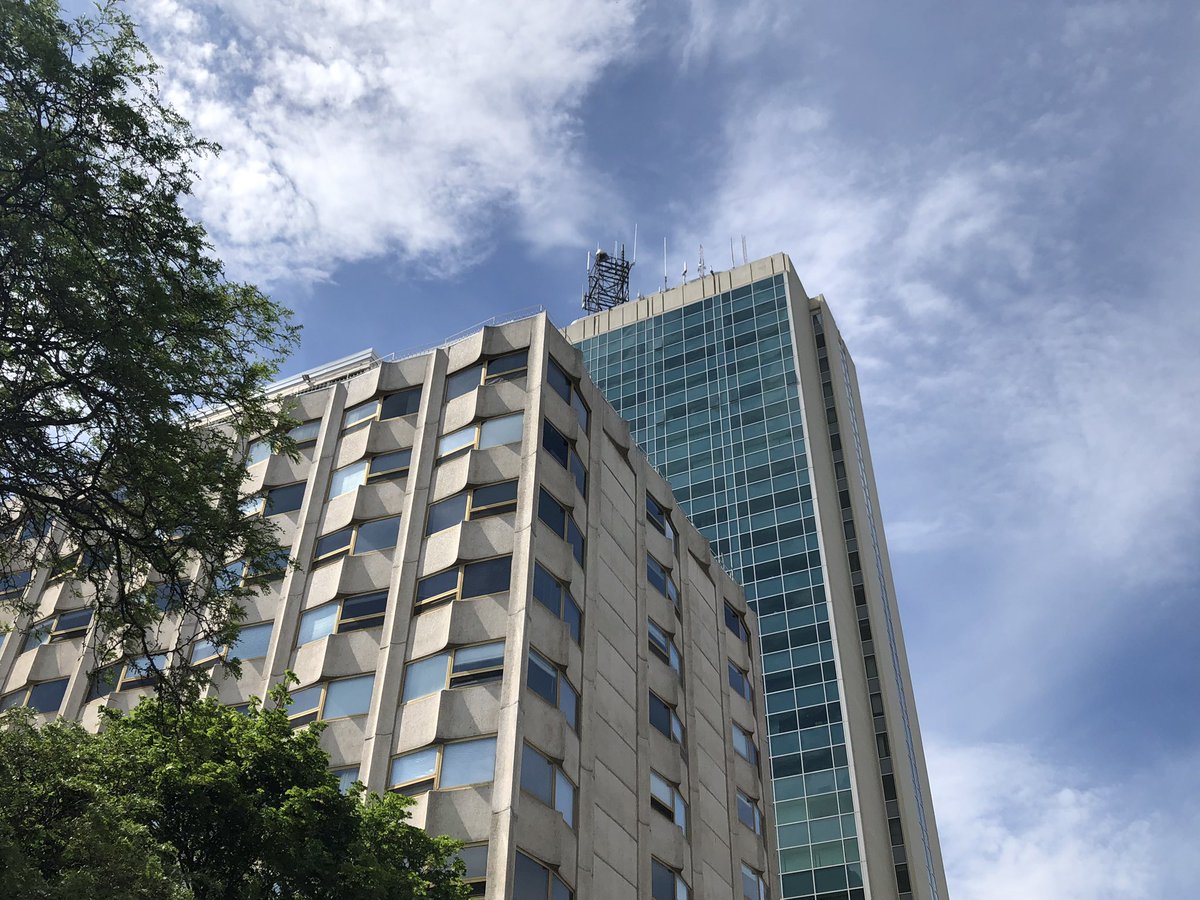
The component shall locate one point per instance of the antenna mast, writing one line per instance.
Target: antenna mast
(607, 279)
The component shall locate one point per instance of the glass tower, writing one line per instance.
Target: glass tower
(741, 393)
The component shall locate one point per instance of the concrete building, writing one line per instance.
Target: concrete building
(741, 391)
(500, 610)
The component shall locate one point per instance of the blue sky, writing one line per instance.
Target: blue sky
(1000, 202)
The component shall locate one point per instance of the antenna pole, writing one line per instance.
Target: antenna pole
(664, 262)
(607, 279)
(634, 260)
(744, 259)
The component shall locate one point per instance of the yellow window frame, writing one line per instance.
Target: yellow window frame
(351, 548)
(435, 780)
(455, 594)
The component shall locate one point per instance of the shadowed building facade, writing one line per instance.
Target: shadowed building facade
(498, 609)
(741, 391)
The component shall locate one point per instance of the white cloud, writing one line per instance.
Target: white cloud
(355, 129)
(1042, 402)
(1014, 826)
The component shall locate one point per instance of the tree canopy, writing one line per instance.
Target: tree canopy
(119, 329)
(201, 803)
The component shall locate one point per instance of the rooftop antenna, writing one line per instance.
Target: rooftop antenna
(664, 262)
(607, 279)
(732, 258)
(744, 260)
(701, 268)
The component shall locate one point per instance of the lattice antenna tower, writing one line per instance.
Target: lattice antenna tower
(608, 277)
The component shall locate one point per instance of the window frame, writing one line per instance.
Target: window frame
(671, 654)
(369, 474)
(559, 680)
(670, 589)
(221, 653)
(258, 442)
(318, 712)
(674, 721)
(665, 528)
(341, 619)
(10, 700)
(466, 678)
(551, 877)
(456, 594)
(669, 808)
(476, 443)
(742, 632)
(262, 500)
(15, 582)
(761, 891)
(556, 770)
(575, 629)
(747, 690)
(488, 377)
(677, 881)
(351, 548)
(305, 442)
(415, 786)
(574, 463)
(338, 772)
(476, 883)
(573, 397)
(55, 632)
(377, 415)
(748, 736)
(578, 552)
(754, 813)
(474, 513)
(128, 680)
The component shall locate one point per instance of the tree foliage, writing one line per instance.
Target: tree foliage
(201, 803)
(118, 330)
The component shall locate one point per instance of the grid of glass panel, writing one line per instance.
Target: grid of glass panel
(710, 392)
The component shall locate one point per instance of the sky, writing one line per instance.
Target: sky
(1000, 202)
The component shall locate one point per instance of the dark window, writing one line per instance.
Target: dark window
(664, 718)
(661, 581)
(11, 582)
(735, 623)
(464, 381)
(561, 523)
(402, 403)
(557, 598)
(47, 696)
(378, 535)
(337, 542)
(387, 466)
(556, 444)
(543, 678)
(562, 384)
(439, 586)
(363, 611)
(494, 499)
(507, 367)
(284, 499)
(447, 513)
(71, 624)
(491, 576)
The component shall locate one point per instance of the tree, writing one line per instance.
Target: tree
(201, 803)
(119, 331)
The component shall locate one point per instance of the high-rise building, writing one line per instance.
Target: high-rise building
(741, 391)
(499, 609)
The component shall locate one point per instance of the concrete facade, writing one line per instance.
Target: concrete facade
(577, 755)
(741, 390)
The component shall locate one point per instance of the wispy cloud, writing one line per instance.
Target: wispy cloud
(353, 130)
(1014, 825)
